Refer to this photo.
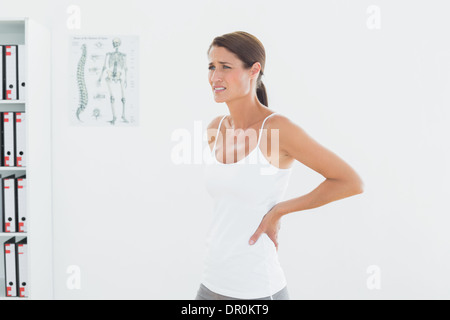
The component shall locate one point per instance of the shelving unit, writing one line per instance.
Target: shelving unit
(37, 108)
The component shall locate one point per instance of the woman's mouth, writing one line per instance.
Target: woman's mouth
(219, 89)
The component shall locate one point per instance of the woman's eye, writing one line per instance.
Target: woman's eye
(213, 67)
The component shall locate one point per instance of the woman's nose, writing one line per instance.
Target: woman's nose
(216, 76)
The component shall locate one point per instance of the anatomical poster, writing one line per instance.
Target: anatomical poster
(103, 74)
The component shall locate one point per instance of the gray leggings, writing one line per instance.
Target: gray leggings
(204, 293)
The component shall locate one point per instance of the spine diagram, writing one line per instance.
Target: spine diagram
(82, 83)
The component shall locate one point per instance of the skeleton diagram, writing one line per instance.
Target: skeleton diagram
(82, 83)
(116, 72)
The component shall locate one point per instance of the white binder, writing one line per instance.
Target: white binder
(21, 65)
(20, 139)
(8, 139)
(22, 204)
(2, 209)
(22, 267)
(10, 268)
(11, 72)
(2, 80)
(9, 203)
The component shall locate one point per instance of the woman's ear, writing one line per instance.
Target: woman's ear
(254, 72)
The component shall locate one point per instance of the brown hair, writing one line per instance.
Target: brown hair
(249, 50)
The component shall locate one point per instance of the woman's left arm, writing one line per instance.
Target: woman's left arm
(341, 181)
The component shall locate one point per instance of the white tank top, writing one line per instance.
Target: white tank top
(243, 192)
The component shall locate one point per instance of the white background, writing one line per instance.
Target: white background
(134, 221)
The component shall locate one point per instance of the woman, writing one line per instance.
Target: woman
(242, 260)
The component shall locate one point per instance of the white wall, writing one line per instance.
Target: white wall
(377, 98)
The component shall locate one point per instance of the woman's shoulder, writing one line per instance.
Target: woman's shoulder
(288, 129)
(214, 124)
(278, 121)
(212, 128)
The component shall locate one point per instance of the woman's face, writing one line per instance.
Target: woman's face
(227, 71)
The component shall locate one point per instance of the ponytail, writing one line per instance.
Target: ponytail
(262, 94)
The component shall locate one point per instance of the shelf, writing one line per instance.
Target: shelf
(9, 171)
(13, 234)
(12, 107)
(12, 31)
(12, 102)
(37, 106)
